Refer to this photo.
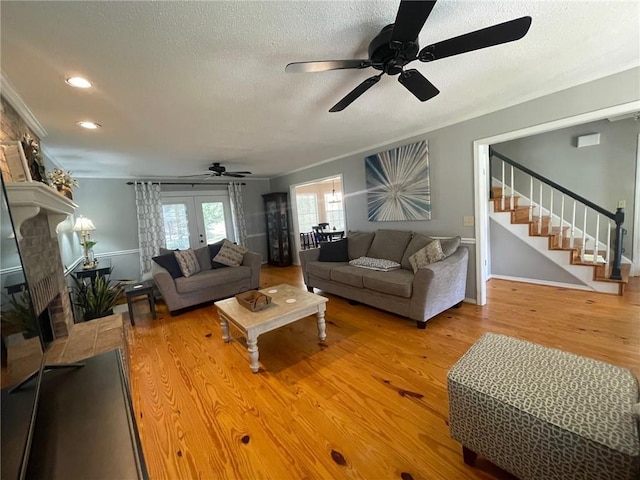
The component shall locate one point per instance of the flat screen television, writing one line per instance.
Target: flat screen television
(22, 355)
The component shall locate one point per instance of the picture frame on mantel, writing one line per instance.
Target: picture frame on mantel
(13, 163)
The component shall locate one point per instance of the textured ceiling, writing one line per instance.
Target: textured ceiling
(179, 85)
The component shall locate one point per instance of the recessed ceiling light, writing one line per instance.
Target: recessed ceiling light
(79, 82)
(89, 125)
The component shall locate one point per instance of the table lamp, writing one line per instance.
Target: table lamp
(84, 226)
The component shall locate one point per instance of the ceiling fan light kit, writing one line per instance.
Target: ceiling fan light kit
(397, 45)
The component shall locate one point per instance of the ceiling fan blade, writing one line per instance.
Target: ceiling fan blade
(241, 172)
(410, 20)
(417, 84)
(486, 37)
(324, 65)
(233, 174)
(355, 93)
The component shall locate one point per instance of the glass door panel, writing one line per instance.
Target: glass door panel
(176, 224)
(213, 219)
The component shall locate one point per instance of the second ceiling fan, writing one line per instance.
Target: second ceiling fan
(397, 45)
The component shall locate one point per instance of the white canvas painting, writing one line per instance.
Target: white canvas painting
(398, 184)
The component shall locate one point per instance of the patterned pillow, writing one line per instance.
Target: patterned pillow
(230, 254)
(381, 264)
(430, 254)
(187, 261)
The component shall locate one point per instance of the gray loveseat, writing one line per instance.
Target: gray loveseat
(208, 284)
(418, 296)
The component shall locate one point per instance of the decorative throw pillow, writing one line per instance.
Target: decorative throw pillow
(169, 263)
(214, 249)
(230, 254)
(425, 256)
(334, 251)
(188, 262)
(381, 264)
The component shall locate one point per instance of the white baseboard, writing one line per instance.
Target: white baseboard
(536, 281)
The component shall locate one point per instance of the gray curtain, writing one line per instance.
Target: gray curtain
(237, 213)
(150, 223)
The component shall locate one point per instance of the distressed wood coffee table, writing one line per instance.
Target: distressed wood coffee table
(288, 304)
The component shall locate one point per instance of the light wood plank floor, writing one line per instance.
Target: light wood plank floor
(370, 402)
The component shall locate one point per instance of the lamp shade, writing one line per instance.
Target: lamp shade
(83, 224)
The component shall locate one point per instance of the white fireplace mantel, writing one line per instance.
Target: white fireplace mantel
(28, 199)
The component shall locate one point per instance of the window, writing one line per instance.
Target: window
(335, 212)
(307, 211)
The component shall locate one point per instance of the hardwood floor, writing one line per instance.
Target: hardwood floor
(370, 402)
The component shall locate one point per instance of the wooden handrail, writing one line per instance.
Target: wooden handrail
(553, 184)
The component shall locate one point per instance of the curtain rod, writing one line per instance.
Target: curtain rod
(191, 183)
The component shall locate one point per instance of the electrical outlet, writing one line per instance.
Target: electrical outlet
(622, 203)
(467, 221)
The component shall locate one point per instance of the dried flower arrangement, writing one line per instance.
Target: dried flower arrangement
(62, 178)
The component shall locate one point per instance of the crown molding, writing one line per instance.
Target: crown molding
(12, 96)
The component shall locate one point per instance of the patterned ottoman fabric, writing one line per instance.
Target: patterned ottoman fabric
(539, 413)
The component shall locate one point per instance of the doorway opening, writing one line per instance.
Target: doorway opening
(317, 206)
(482, 180)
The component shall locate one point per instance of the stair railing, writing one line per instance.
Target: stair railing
(617, 218)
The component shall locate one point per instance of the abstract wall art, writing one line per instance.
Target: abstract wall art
(398, 184)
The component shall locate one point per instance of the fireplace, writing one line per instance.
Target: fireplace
(36, 210)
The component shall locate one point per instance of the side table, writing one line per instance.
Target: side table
(138, 290)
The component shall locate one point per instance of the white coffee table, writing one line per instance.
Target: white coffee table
(288, 304)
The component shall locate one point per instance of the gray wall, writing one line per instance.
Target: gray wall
(451, 156)
(602, 173)
(110, 203)
(512, 257)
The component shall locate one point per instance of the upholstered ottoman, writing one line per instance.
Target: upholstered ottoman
(541, 413)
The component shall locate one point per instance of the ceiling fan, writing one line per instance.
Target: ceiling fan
(217, 170)
(397, 45)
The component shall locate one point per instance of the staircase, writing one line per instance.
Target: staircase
(555, 236)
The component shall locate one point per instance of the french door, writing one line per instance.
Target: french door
(194, 221)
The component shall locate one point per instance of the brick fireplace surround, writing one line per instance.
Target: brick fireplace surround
(45, 273)
(37, 210)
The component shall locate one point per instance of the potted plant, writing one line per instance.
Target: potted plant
(63, 181)
(97, 298)
(17, 317)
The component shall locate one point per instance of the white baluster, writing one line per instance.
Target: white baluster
(584, 232)
(530, 199)
(503, 189)
(550, 226)
(540, 212)
(512, 190)
(561, 237)
(573, 225)
(596, 243)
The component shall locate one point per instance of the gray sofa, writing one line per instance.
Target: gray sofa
(418, 296)
(208, 284)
